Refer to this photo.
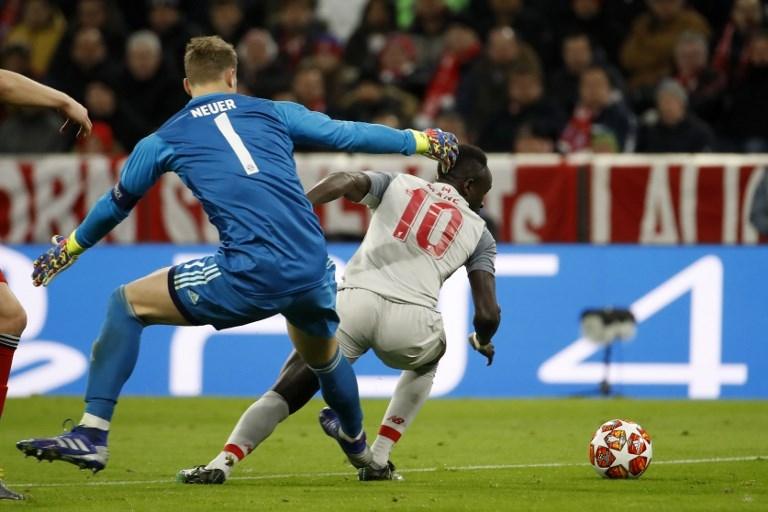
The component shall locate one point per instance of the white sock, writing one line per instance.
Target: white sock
(91, 421)
(254, 426)
(410, 394)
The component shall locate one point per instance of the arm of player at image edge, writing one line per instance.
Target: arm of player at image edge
(366, 187)
(17, 89)
(482, 281)
(310, 127)
(150, 158)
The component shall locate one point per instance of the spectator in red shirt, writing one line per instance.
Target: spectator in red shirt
(731, 56)
(462, 48)
(578, 55)
(601, 122)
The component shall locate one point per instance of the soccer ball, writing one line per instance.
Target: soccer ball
(620, 449)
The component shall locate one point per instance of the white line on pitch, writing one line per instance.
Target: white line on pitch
(711, 460)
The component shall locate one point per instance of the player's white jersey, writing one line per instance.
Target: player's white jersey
(419, 235)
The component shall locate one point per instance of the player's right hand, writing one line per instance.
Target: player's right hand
(488, 350)
(77, 114)
(438, 145)
(55, 260)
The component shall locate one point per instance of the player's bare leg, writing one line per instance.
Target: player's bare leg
(339, 387)
(151, 301)
(13, 321)
(295, 386)
(132, 307)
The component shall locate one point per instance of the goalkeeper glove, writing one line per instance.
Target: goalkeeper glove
(486, 349)
(56, 259)
(438, 145)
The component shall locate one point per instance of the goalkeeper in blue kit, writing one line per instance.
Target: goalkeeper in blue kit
(235, 154)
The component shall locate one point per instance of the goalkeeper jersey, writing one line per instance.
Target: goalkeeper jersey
(235, 153)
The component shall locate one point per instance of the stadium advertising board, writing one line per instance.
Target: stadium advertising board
(701, 332)
(546, 198)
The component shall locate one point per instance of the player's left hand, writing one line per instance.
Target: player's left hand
(438, 145)
(488, 350)
(77, 114)
(54, 261)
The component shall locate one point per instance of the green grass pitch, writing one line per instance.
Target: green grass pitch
(479, 455)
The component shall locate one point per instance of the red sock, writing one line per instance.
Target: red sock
(6, 358)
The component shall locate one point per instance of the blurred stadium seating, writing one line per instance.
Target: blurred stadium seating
(654, 76)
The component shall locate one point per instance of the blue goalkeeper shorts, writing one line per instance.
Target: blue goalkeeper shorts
(200, 291)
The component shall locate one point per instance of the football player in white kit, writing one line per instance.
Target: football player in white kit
(419, 235)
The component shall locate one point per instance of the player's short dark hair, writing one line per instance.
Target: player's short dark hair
(206, 58)
(471, 162)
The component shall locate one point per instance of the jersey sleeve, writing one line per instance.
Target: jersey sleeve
(484, 257)
(379, 183)
(309, 127)
(150, 158)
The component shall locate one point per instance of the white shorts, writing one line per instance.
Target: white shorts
(403, 336)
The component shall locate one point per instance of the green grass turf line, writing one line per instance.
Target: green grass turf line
(153, 438)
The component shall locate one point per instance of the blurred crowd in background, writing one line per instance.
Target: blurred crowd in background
(528, 76)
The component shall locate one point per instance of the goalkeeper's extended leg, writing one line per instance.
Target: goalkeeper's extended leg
(132, 307)
(338, 385)
(411, 392)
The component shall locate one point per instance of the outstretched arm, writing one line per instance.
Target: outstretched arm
(149, 159)
(20, 90)
(307, 126)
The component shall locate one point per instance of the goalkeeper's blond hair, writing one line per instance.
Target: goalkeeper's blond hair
(206, 58)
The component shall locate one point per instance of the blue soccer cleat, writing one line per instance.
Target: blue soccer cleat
(80, 446)
(357, 451)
